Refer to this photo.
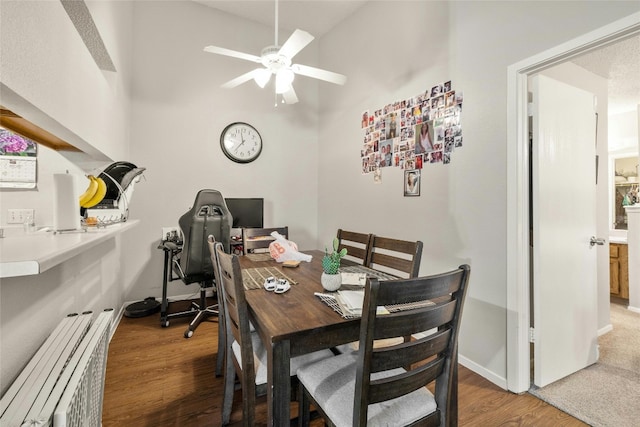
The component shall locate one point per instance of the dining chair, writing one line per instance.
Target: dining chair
(260, 238)
(213, 244)
(387, 386)
(245, 353)
(358, 245)
(398, 257)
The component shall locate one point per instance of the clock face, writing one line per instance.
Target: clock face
(241, 142)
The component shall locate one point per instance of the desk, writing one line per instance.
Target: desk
(294, 323)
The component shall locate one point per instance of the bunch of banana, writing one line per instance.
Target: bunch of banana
(95, 192)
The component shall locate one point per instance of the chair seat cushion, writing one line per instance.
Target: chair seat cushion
(332, 381)
(260, 358)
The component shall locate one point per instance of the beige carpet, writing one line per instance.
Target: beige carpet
(608, 392)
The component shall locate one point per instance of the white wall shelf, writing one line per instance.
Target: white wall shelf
(25, 254)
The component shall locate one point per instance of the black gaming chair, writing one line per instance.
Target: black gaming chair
(190, 260)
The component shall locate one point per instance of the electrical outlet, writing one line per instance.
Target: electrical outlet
(170, 233)
(18, 216)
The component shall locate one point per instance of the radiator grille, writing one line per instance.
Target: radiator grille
(63, 384)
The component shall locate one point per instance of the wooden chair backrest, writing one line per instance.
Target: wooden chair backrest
(237, 326)
(213, 244)
(432, 358)
(260, 238)
(222, 341)
(398, 257)
(358, 245)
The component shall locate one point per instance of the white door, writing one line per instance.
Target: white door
(564, 220)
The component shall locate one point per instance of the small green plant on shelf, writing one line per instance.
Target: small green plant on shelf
(331, 261)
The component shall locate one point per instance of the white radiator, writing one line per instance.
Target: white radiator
(63, 383)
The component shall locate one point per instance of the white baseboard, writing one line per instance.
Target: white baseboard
(634, 309)
(116, 320)
(605, 329)
(498, 380)
(483, 372)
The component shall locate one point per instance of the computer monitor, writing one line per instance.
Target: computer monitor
(246, 212)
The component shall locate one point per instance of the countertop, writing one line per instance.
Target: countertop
(25, 254)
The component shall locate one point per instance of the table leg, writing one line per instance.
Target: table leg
(279, 383)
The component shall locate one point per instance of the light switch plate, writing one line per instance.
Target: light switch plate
(18, 216)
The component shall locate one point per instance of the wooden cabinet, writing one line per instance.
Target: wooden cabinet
(619, 270)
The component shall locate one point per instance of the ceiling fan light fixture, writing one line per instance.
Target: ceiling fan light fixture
(284, 78)
(262, 77)
(277, 59)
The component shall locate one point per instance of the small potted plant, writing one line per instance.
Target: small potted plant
(330, 278)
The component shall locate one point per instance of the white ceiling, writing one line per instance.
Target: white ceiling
(619, 62)
(314, 16)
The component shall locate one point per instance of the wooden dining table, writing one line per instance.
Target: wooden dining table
(293, 323)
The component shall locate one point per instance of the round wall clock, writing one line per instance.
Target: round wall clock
(241, 142)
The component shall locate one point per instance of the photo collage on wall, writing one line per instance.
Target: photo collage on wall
(413, 132)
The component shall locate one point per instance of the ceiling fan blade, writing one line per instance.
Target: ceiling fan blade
(290, 96)
(295, 43)
(232, 53)
(317, 73)
(241, 79)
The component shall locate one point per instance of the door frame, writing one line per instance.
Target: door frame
(518, 263)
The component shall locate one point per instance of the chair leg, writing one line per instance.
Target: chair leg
(229, 388)
(203, 312)
(221, 345)
(303, 406)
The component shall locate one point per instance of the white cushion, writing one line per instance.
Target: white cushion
(332, 381)
(260, 358)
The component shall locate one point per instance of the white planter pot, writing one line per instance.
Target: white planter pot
(331, 282)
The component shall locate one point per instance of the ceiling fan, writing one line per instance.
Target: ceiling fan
(277, 60)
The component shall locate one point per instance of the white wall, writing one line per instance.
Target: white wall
(32, 306)
(46, 71)
(45, 61)
(179, 111)
(400, 49)
(623, 132)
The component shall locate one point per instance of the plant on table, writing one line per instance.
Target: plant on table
(331, 279)
(331, 261)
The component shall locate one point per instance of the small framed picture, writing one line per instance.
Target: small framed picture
(411, 182)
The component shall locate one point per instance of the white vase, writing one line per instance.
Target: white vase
(331, 282)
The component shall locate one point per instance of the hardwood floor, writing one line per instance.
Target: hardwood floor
(156, 377)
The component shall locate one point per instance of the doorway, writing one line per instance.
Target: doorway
(518, 263)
